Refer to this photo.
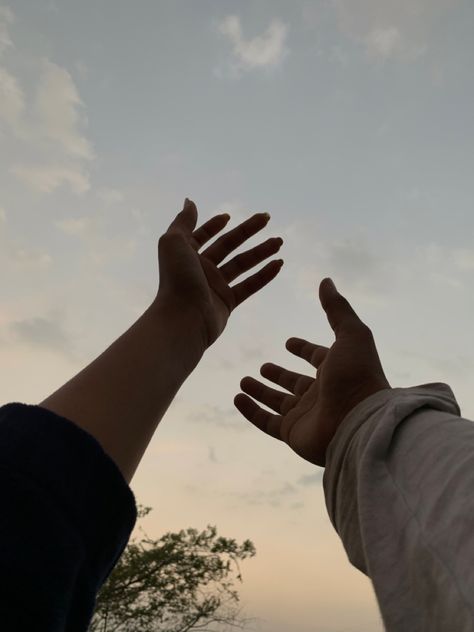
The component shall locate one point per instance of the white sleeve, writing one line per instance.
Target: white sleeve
(399, 489)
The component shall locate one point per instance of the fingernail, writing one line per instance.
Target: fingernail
(187, 202)
(226, 215)
(267, 216)
(279, 261)
(331, 285)
(280, 240)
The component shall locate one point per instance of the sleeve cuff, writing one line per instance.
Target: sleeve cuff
(70, 465)
(367, 407)
(385, 409)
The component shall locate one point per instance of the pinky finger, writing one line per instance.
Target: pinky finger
(267, 422)
(256, 282)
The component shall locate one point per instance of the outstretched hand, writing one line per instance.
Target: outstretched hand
(192, 282)
(309, 414)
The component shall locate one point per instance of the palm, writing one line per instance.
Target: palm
(309, 413)
(300, 424)
(299, 419)
(195, 280)
(315, 410)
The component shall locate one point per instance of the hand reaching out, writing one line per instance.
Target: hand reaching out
(309, 414)
(192, 282)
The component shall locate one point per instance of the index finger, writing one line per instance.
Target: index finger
(223, 246)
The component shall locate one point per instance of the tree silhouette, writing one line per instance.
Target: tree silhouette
(182, 581)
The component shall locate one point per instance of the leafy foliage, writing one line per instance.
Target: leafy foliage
(182, 581)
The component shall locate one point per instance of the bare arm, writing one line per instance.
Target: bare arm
(122, 395)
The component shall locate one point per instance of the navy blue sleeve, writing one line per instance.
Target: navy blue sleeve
(66, 516)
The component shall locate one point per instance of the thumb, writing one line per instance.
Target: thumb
(185, 221)
(338, 310)
(173, 253)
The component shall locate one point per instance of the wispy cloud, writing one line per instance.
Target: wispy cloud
(47, 178)
(12, 101)
(396, 29)
(30, 258)
(463, 258)
(6, 19)
(40, 332)
(44, 127)
(273, 497)
(212, 455)
(354, 262)
(57, 110)
(266, 50)
(217, 416)
(110, 196)
(76, 226)
(311, 479)
(383, 42)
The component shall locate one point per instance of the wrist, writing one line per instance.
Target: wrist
(182, 325)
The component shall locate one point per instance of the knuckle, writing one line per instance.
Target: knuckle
(365, 330)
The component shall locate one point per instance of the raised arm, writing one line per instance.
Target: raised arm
(399, 477)
(122, 395)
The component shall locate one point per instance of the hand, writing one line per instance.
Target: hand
(347, 373)
(192, 283)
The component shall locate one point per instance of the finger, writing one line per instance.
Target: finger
(209, 230)
(255, 282)
(247, 260)
(185, 221)
(276, 400)
(219, 250)
(267, 422)
(338, 310)
(296, 383)
(314, 354)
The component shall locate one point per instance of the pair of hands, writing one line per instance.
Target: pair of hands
(308, 414)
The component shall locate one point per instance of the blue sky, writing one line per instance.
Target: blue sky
(350, 121)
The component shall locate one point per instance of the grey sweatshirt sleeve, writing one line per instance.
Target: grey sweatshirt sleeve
(399, 489)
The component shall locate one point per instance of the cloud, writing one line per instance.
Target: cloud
(47, 178)
(458, 365)
(217, 416)
(42, 333)
(212, 455)
(79, 227)
(398, 29)
(31, 258)
(12, 101)
(352, 259)
(110, 196)
(262, 51)
(311, 479)
(361, 268)
(57, 111)
(6, 18)
(353, 263)
(463, 259)
(273, 497)
(383, 42)
(44, 125)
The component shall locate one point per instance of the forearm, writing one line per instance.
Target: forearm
(398, 487)
(122, 395)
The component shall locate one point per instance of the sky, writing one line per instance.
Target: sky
(350, 121)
